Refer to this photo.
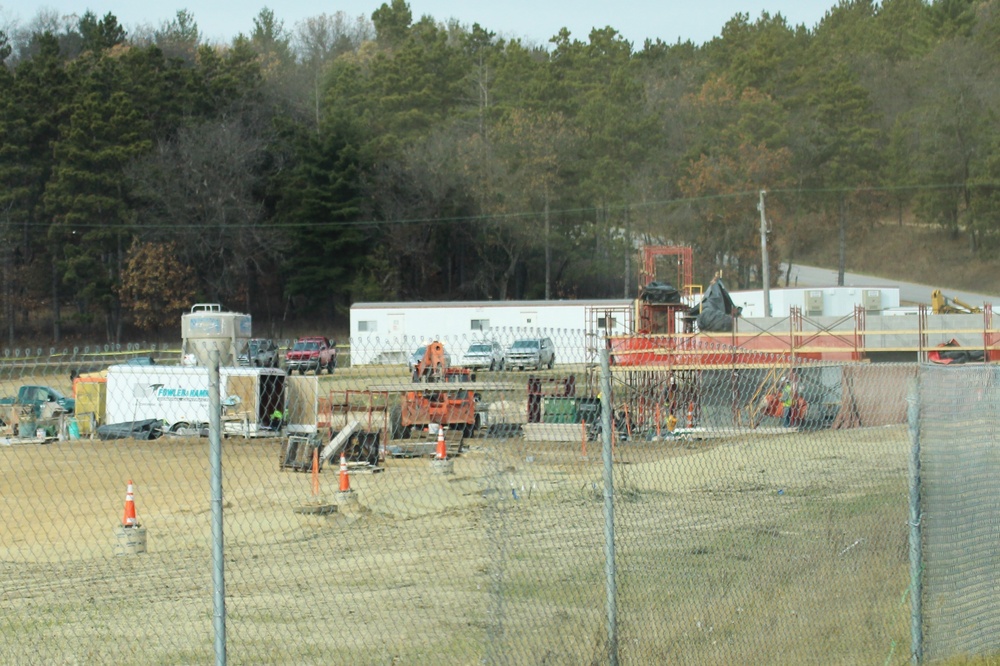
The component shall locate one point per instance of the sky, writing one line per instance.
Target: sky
(533, 21)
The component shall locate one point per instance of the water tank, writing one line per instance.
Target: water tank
(207, 327)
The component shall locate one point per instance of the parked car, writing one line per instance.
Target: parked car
(485, 355)
(530, 352)
(260, 353)
(311, 353)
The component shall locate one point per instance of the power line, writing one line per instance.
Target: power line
(508, 217)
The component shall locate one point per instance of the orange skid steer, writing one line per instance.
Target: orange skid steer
(454, 409)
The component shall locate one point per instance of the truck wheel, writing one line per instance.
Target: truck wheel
(406, 432)
(330, 367)
(302, 370)
(552, 361)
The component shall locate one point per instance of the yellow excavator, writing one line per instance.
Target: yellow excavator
(941, 304)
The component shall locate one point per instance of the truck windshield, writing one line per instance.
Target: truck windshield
(526, 344)
(306, 346)
(479, 349)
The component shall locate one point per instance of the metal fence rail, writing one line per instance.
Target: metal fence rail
(638, 515)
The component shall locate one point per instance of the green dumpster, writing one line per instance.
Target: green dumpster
(559, 410)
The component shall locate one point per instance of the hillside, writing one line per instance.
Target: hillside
(909, 253)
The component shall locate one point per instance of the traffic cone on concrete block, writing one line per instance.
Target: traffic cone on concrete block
(128, 518)
(442, 447)
(345, 480)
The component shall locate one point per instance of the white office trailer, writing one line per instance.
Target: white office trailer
(387, 333)
(817, 301)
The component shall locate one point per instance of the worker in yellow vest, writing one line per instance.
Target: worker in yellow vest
(787, 400)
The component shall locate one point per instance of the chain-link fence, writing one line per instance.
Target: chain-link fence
(958, 461)
(452, 507)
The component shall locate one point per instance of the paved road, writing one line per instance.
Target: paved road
(909, 292)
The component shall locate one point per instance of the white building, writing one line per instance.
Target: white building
(817, 301)
(387, 333)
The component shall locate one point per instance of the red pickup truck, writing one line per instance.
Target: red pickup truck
(311, 353)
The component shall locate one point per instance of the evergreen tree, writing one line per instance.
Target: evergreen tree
(318, 214)
(86, 199)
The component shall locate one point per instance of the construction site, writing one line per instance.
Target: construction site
(433, 516)
(685, 363)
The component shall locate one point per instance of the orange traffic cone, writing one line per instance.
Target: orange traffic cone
(690, 414)
(442, 448)
(345, 480)
(128, 518)
(315, 471)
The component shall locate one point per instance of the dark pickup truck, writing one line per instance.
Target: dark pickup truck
(43, 401)
(40, 397)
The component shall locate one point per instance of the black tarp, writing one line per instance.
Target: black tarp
(716, 311)
(659, 292)
(147, 429)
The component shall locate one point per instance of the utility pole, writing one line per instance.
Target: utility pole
(765, 271)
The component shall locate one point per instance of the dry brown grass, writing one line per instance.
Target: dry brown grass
(909, 253)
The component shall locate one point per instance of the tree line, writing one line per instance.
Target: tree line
(291, 172)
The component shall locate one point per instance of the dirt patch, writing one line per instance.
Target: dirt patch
(506, 553)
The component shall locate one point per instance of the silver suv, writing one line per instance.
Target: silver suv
(260, 353)
(531, 352)
(484, 355)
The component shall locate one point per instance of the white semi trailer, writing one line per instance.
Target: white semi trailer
(178, 396)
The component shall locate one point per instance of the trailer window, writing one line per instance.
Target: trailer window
(367, 326)
(480, 324)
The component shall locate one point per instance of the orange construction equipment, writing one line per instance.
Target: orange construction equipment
(129, 519)
(442, 447)
(345, 479)
(455, 408)
(433, 364)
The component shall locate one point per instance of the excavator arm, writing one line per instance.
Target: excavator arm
(941, 304)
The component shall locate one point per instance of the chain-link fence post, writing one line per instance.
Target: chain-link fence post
(609, 507)
(215, 460)
(916, 621)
